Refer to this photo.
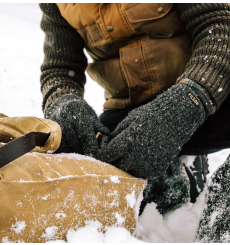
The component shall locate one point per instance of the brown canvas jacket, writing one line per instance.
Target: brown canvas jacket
(138, 49)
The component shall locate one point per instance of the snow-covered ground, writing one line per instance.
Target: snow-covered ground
(21, 55)
(21, 50)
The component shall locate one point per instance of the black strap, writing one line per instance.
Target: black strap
(20, 146)
(103, 140)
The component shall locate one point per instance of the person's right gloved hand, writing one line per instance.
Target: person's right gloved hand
(147, 141)
(79, 124)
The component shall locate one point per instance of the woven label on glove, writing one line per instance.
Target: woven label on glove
(193, 98)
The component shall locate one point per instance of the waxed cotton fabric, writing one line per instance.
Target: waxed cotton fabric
(14, 127)
(140, 57)
(38, 191)
(60, 192)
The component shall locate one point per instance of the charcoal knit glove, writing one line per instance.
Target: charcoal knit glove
(151, 136)
(168, 191)
(79, 124)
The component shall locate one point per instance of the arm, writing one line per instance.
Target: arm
(64, 62)
(151, 136)
(62, 84)
(209, 65)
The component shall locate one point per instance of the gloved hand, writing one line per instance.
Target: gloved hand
(79, 124)
(168, 191)
(151, 136)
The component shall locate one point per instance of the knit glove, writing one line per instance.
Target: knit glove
(79, 124)
(151, 136)
(170, 190)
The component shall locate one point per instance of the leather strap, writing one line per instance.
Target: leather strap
(20, 146)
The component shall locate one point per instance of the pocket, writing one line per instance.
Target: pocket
(112, 16)
(96, 43)
(155, 19)
(139, 12)
(166, 59)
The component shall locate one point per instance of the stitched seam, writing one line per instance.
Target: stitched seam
(124, 19)
(146, 62)
(122, 75)
(104, 26)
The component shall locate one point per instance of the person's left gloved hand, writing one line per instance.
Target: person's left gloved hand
(79, 124)
(151, 136)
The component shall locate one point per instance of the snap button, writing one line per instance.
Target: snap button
(110, 28)
(160, 10)
(134, 87)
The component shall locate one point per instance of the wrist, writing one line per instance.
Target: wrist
(59, 103)
(202, 94)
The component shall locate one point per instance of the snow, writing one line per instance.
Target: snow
(114, 179)
(213, 217)
(92, 233)
(60, 215)
(50, 232)
(188, 160)
(21, 53)
(120, 219)
(131, 199)
(220, 89)
(177, 226)
(18, 227)
(151, 226)
(45, 197)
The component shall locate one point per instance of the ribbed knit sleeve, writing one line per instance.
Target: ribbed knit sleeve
(63, 69)
(209, 66)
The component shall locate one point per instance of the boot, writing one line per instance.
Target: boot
(197, 176)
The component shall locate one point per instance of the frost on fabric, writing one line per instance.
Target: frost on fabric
(95, 232)
(50, 232)
(18, 227)
(213, 218)
(77, 157)
(220, 89)
(114, 179)
(226, 237)
(131, 200)
(45, 197)
(120, 219)
(60, 215)
(5, 239)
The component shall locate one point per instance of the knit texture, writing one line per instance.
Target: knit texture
(170, 190)
(79, 124)
(209, 65)
(151, 136)
(64, 63)
(214, 224)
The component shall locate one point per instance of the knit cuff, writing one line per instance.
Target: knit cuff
(60, 92)
(203, 95)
